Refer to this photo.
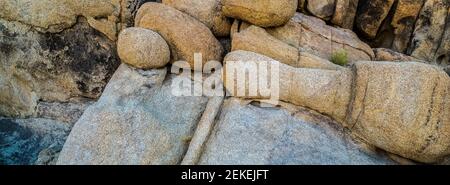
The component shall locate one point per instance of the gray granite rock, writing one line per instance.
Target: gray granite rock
(249, 134)
(137, 120)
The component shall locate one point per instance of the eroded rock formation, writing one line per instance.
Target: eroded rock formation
(390, 105)
(361, 82)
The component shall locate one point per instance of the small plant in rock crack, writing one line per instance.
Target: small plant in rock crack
(339, 57)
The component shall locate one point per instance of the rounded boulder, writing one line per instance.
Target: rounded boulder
(143, 48)
(185, 35)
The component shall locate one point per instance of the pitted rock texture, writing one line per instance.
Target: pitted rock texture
(77, 62)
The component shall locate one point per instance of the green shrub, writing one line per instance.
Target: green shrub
(340, 57)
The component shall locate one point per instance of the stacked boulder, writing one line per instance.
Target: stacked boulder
(140, 93)
(402, 108)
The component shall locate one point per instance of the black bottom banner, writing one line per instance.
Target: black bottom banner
(223, 174)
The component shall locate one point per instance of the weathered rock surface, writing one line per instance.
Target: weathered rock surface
(257, 40)
(136, 121)
(344, 13)
(323, 9)
(143, 48)
(314, 36)
(403, 20)
(442, 56)
(264, 13)
(53, 50)
(429, 30)
(248, 134)
(414, 120)
(206, 11)
(371, 15)
(56, 56)
(57, 15)
(24, 141)
(76, 62)
(300, 86)
(184, 34)
(413, 27)
(402, 108)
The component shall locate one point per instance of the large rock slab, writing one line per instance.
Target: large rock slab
(247, 134)
(323, 90)
(24, 141)
(400, 107)
(136, 121)
(403, 108)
